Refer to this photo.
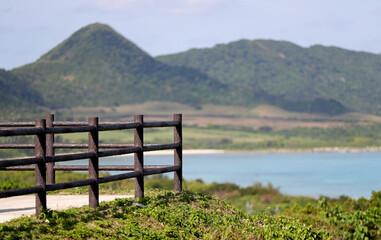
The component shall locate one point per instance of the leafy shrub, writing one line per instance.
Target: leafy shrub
(165, 215)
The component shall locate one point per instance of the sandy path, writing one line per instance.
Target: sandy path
(15, 207)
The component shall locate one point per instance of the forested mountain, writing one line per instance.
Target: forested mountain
(327, 75)
(96, 66)
(17, 97)
(16, 92)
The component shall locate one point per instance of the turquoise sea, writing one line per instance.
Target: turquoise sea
(310, 174)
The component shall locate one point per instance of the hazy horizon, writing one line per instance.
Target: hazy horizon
(28, 29)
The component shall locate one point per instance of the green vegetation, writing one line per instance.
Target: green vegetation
(349, 219)
(294, 78)
(245, 138)
(233, 138)
(18, 179)
(96, 66)
(195, 214)
(164, 215)
(16, 101)
(343, 218)
(12, 95)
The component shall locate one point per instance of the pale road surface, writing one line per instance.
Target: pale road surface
(15, 207)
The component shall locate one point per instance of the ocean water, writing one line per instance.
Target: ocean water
(309, 174)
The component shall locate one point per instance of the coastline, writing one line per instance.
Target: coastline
(188, 152)
(265, 151)
(313, 150)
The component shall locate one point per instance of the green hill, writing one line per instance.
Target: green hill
(16, 96)
(316, 76)
(96, 66)
(16, 92)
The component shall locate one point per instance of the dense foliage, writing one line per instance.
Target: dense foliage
(352, 219)
(16, 97)
(12, 94)
(96, 66)
(159, 215)
(189, 215)
(282, 69)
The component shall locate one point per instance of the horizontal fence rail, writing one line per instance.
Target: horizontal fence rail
(85, 167)
(43, 163)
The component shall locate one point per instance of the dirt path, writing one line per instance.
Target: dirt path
(15, 207)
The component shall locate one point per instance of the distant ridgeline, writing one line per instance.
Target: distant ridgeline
(96, 66)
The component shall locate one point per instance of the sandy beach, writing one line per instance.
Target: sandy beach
(313, 150)
(187, 152)
(263, 151)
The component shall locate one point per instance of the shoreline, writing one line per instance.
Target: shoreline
(187, 152)
(272, 151)
(311, 150)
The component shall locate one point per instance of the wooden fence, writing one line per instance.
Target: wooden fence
(43, 163)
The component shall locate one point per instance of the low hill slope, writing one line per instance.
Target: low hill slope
(316, 76)
(16, 92)
(17, 97)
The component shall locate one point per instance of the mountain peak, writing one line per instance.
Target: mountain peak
(93, 42)
(97, 26)
(98, 66)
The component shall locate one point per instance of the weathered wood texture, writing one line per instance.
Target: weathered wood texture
(43, 163)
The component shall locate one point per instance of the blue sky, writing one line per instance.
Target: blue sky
(30, 28)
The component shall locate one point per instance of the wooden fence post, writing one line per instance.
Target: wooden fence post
(178, 153)
(138, 160)
(40, 168)
(44, 146)
(51, 173)
(94, 163)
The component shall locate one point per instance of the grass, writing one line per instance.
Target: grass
(162, 215)
(166, 109)
(263, 127)
(234, 138)
(202, 211)
(210, 126)
(243, 138)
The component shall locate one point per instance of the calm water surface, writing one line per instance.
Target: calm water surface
(310, 174)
